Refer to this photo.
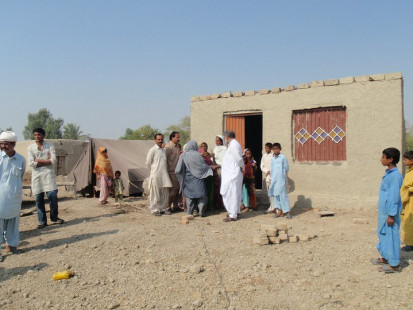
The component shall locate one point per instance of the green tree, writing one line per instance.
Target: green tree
(184, 129)
(409, 137)
(145, 132)
(43, 119)
(72, 131)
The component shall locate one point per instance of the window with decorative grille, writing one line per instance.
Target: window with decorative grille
(320, 134)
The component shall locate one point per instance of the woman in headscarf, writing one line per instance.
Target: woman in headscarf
(217, 157)
(104, 174)
(193, 170)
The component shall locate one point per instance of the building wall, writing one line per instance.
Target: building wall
(374, 121)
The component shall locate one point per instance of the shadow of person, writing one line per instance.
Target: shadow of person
(302, 205)
(7, 274)
(72, 239)
(49, 229)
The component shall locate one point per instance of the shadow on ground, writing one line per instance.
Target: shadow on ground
(72, 239)
(7, 274)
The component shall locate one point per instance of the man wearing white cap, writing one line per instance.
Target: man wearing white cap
(12, 168)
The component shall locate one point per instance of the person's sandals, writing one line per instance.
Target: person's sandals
(229, 219)
(157, 213)
(11, 249)
(289, 216)
(407, 248)
(389, 269)
(40, 226)
(57, 221)
(377, 261)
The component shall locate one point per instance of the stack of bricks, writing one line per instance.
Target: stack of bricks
(276, 234)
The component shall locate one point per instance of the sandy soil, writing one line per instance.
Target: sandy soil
(125, 258)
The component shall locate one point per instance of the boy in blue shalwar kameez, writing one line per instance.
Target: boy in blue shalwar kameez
(279, 182)
(389, 214)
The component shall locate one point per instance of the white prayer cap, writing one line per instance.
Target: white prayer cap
(8, 136)
(221, 137)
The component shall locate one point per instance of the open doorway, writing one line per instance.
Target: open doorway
(248, 132)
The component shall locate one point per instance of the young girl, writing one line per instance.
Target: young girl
(249, 179)
(406, 193)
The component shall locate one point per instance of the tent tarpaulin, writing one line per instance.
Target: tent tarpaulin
(127, 156)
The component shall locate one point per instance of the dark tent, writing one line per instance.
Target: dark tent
(127, 156)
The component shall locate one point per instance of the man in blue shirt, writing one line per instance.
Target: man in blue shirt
(12, 168)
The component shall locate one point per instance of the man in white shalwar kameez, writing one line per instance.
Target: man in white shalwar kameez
(12, 168)
(159, 181)
(231, 177)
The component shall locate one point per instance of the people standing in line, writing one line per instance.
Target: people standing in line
(389, 209)
(249, 179)
(406, 193)
(42, 159)
(118, 186)
(159, 180)
(104, 174)
(217, 157)
(12, 169)
(266, 174)
(279, 182)
(231, 173)
(203, 150)
(193, 171)
(172, 156)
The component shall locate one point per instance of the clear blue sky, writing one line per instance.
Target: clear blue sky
(109, 65)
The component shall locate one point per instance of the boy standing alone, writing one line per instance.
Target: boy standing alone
(118, 185)
(389, 213)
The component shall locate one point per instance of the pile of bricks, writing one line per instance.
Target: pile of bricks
(276, 234)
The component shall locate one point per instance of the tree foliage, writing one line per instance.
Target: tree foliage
(184, 128)
(145, 132)
(72, 131)
(409, 137)
(43, 119)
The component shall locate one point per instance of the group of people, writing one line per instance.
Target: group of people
(42, 159)
(222, 178)
(195, 179)
(395, 210)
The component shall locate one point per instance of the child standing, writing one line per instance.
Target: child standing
(266, 170)
(406, 193)
(279, 182)
(249, 179)
(118, 184)
(389, 214)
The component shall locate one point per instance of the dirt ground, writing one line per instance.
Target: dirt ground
(125, 258)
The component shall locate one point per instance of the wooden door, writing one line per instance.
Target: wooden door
(237, 125)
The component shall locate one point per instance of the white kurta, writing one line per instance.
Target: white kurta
(231, 178)
(159, 180)
(43, 178)
(266, 178)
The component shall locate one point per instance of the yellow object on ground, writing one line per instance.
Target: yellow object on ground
(62, 275)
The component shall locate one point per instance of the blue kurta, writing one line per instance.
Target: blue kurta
(11, 185)
(278, 187)
(390, 204)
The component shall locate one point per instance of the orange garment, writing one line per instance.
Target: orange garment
(102, 164)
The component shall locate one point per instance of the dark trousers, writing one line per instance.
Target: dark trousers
(41, 211)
